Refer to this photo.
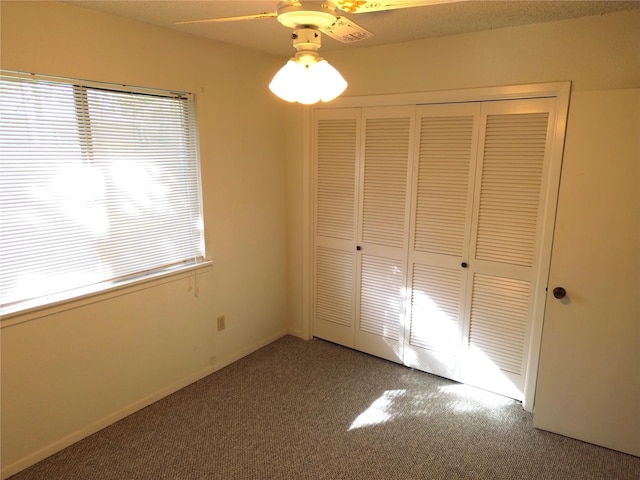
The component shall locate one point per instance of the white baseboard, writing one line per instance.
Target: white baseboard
(98, 425)
(223, 362)
(296, 333)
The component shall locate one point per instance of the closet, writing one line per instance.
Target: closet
(432, 231)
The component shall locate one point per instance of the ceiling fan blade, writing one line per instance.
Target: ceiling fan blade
(364, 6)
(230, 19)
(346, 31)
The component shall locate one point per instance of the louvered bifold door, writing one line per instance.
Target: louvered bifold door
(509, 208)
(446, 149)
(335, 148)
(387, 135)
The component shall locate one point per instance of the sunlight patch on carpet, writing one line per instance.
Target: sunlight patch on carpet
(380, 411)
(465, 398)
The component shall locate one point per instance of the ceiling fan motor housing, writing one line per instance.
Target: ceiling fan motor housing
(306, 39)
(307, 14)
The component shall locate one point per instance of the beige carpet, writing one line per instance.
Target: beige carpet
(313, 410)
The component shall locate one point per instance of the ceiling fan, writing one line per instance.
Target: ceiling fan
(307, 78)
(324, 15)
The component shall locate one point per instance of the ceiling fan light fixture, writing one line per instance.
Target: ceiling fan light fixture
(330, 83)
(307, 79)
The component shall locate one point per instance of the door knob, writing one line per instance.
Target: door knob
(463, 264)
(559, 292)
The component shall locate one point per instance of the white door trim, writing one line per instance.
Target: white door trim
(533, 90)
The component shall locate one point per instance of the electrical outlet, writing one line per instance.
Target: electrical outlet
(221, 323)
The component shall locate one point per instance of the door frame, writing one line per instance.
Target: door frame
(559, 90)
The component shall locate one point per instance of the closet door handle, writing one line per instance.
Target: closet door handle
(358, 248)
(464, 265)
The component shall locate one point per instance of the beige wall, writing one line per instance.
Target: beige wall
(594, 53)
(66, 374)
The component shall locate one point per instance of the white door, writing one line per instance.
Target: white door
(440, 235)
(336, 147)
(485, 190)
(515, 199)
(362, 207)
(384, 225)
(589, 375)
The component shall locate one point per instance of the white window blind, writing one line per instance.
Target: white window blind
(97, 187)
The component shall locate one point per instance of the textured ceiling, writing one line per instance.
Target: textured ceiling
(392, 26)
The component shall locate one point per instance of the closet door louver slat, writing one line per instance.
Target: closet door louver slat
(381, 297)
(513, 160)
(445, 150)
(435, 308)
(336, 170)
(334, 286)
(385, 181)
(498, 323)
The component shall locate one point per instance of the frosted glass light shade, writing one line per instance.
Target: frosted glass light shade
(307, 82)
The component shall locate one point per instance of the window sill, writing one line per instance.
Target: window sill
(56, 304)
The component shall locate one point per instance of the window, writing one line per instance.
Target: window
(98, 187)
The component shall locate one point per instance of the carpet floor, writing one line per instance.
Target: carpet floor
(300, 409)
